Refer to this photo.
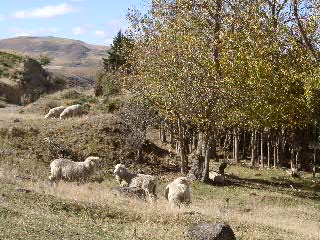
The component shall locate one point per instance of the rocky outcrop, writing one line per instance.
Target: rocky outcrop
(22, 79)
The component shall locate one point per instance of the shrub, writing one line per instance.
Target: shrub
(59, 82)
(109, 106)
(71, 94)
(107, 84)
(113, 106)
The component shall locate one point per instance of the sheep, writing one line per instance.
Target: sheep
(69, 170)
(72, 111)
(216, 177)
(178, 192)
(55, 112)
(293, 172)
(147, 182)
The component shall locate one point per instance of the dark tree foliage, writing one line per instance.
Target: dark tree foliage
(116, 54)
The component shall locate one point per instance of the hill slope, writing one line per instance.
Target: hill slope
(76, 60)
(22, 79)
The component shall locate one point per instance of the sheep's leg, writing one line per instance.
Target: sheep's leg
(174, 203)
(187, 200)
(150, 192)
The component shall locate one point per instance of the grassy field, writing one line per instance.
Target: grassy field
(257, 204)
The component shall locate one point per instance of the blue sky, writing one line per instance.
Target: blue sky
(92, 21)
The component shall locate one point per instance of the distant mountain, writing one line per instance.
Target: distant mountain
(74, 59)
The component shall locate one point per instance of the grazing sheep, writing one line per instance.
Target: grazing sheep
(147, 182)
(69, 170)
(178, 192)
(131, 192)
(72, 111)
(216, 177)
(293, 172)
(55, 112)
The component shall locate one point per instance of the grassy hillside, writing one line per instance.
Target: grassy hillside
(257, 204)
(9, 64)
(74, 59)
(23, 80)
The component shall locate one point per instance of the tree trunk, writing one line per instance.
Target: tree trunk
(253, 147)
(314, 163)
(178, 147)
(257, 142)
(204, 145)
(277, 150)
(297, 159)
(208, 150)
(268, 148)
(195, 140)
(244, 144)
(262, 157)
(183, 155)
(236, 147)
(291, 159)
(171, 136)
(160, 132)
(274, 156)
(163, 133)
(199, 144)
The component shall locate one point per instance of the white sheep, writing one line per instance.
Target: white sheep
(178, 192)
(147, 182)
(72, 111)
(69, 170)
(216, 177)
(55, 112)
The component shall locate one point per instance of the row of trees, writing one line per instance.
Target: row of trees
(235, 74)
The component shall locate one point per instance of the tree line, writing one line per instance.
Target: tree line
(234, 76)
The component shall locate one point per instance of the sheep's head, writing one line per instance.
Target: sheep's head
(182, 180)
(91, 162)
(120, 170)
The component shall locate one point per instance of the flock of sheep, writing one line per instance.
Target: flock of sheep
(63, 112)
(177, 192)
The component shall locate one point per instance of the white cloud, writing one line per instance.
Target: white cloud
(83, 29)
(100, 33)
(77, 0)
(48, 11)
(111, 29)
(78, 31)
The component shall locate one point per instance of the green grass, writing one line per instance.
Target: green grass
(8, 63)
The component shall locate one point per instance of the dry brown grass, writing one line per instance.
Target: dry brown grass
(253, 219)
(253, 208)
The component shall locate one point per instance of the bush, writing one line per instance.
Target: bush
(107, 84)
(71, 94)
(59, 82)
(44, 60)
(113, 106)
(109, 106)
